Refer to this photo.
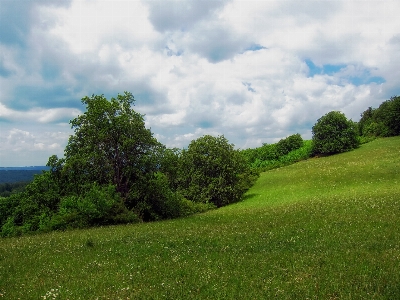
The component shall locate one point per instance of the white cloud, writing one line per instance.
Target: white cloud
(20, 147)
(236, 67)
(181, 15)
(40, 115)
(87, 25)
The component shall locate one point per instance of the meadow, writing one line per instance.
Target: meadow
(323, 228)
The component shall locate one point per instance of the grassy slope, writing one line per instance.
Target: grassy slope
(325, 228)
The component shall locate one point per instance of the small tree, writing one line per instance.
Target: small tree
(292, 142)
(334, 133)
(213, 172)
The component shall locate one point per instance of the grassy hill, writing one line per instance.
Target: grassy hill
(325, 228)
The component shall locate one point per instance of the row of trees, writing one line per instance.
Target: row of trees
(115, 171)
(332, 133)
(383, 121)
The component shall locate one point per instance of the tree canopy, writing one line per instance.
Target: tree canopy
(382, 121)
(334, 133)
(115, 171)
(111, 144)
(213, 171)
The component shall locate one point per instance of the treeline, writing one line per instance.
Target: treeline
(114, 171)
(332, 133)
(11, 176)
(383, 121)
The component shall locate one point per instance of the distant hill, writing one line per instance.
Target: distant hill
(17, 174)
(28, 168)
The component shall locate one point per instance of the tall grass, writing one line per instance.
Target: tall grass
(325, 228)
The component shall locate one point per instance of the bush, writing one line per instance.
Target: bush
(8, 228)
(334, 133)
(100, 205)
(7, 207)
(213, 172)
(159, 201)
(267, 152)
(289, 144)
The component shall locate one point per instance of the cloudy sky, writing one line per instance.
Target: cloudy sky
(254, 71)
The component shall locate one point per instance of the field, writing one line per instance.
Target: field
(325, 228)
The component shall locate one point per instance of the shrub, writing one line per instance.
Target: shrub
(292, 142)
(159, 201)
(213, 172)
(99, 205)
(7, 207)
(267, 152)
(9, 228)
(334, 133)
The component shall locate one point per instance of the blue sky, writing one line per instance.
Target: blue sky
(254, 71)
(354, 78)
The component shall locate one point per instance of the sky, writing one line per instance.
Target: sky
(253, 71)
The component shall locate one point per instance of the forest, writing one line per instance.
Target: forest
(11, 176)
(114, 171)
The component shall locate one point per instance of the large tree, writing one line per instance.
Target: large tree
(110, 145)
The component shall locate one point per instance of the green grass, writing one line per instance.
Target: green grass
(326, 228)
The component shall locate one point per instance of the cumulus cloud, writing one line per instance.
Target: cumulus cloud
(255, 71)
(20, 147)
(181, 15)
(40, 115)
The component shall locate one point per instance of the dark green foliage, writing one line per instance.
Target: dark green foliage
(100, 205)
(268, 152)
(334, 133)
(289, 144)
(213, 172)
(27, 210)
(383, 121)
(371, 123)
(7, 207)
(110, 144)
(7, 189)
(115, 171)
(364, 124)
(110, 157)
(170, 161)
(160, 202)
(388, 115)
(97, 206)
